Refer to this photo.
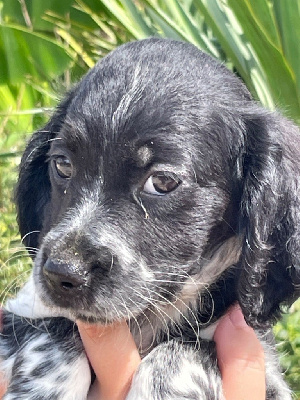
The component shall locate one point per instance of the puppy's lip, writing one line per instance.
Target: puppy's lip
(73, 314)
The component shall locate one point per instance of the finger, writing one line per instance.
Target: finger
(113, 355)
(2, 386)
(240, 358)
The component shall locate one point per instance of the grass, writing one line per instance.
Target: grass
(287, 333)
(13, 260)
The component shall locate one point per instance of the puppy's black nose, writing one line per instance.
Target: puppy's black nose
(64, 276)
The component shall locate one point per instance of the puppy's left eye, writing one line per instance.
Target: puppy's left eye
(161, 183)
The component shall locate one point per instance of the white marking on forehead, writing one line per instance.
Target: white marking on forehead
(131, 97)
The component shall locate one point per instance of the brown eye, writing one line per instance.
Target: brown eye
(63, 167)
(161, 183)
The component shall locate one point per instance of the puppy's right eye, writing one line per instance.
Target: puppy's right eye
(63, 167)
(161, 183)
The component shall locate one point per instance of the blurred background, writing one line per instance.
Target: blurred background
(46, 46)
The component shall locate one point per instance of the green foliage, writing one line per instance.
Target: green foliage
(47, 45)
(14, 262)
(287, 333)
(256, 38)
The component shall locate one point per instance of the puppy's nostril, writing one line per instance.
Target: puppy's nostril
(67, 285)
(65, 276)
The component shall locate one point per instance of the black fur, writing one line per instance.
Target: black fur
(109, 249)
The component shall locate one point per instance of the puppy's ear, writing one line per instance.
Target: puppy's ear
(270, 218)
(33, 189)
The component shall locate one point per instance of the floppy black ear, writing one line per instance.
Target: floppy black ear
(270, 218)
(33, 189)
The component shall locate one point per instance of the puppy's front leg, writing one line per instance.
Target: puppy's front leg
(43, 359)
(177, 371)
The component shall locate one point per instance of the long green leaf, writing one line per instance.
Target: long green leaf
(164, 26)
(172, 29)
(30, 53)
(185, 21)
(271, 59)
(263, 15)
(229, 34)
(137, 27)
(288, 20)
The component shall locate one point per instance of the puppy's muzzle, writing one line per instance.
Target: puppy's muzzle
(64, 277)
(68, 277)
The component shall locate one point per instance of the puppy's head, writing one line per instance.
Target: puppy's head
(157, 170)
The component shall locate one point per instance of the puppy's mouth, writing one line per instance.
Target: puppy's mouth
(98, 294)
(72, 295)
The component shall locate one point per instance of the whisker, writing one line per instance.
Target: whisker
(53, 139)
(142, 312)
(14, 331)
(15, 257)
(119, 314)
(172, 304)
(14, 249)
(132, 316)
(161, 312)
(28, 234)
(13, 284)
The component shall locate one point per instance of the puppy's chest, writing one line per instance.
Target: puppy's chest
(151, 330)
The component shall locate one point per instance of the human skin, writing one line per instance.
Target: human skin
(240, 358)
(114, 357)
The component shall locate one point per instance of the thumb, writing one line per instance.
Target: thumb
(240, 358)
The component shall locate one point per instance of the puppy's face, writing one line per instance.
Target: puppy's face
(129, 223)
(140, 200)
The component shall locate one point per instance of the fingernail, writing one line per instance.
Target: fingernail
(237, 318)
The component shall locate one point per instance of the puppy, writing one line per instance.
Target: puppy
(159, 192)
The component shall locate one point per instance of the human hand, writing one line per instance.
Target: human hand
(240, 358)
(114, 357)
